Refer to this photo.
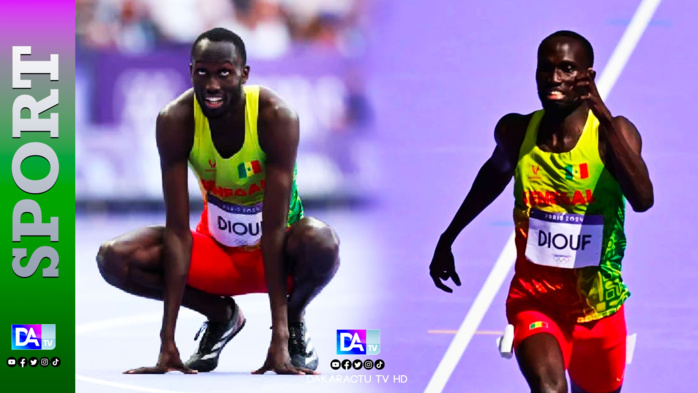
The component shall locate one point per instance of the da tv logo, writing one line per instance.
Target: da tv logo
(358, 342)
(33, 337)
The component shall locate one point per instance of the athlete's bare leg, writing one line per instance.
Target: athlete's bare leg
(541, 362)
(133, 263)
(312, 254)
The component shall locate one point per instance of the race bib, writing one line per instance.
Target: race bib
(564, 240)
(234, 225)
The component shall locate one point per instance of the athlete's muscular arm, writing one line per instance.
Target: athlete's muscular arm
(278, 137)
(492, 179)
(623, 145)
(174, 140)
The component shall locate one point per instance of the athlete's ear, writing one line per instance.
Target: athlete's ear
(592, 73)
(191, 67)
(245, 74)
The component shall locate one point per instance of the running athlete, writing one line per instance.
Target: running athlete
(573, 164)
(241, 142)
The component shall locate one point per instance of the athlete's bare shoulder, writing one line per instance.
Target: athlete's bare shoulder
(629, 132)
(278, 121)
(510, 131)
(272, 106)
(175, 126)
(179, 110)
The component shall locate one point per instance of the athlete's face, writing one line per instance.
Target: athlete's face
(561, 61)
(217, 75)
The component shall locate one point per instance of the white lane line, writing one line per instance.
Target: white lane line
(473, 318)
(130, 320)
(626, 46)
(138, 319)
(118, 322)
(504, 263)
(124, 385)
(251, 302)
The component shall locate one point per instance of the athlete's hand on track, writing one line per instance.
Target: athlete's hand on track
(168, 360)
(279, 361)
(586, 86)
(443, 267)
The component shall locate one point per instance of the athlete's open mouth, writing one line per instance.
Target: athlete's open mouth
(554, 95)
(214, 102)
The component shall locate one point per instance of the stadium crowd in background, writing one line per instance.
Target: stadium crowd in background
(270, 27)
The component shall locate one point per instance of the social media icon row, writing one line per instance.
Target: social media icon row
(357, 364)
(33, 362)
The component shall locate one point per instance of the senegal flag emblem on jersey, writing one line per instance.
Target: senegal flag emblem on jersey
(249, 168)
(580, 171)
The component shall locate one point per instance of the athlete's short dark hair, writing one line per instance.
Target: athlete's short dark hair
(575, 36)
(219, 34)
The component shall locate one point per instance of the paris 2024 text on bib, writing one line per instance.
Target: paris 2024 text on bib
(564, 240)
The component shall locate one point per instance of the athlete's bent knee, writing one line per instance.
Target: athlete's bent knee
(549, 384)
(321, 245)
(545, 379)
(111, 265)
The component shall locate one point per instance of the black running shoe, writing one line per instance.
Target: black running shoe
(216, 336)
(300, 347)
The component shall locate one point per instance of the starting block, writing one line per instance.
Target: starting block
(505, 343)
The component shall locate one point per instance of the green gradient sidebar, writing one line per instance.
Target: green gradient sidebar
(37, 213)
